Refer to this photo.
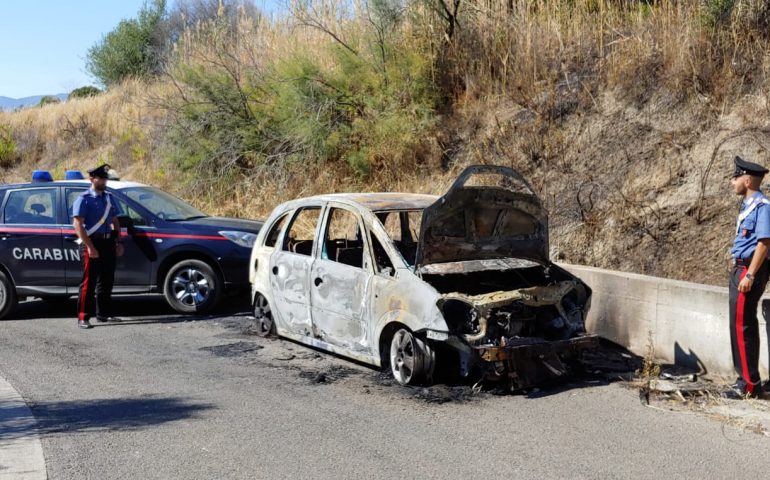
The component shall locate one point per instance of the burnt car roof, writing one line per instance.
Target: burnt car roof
(378, 202)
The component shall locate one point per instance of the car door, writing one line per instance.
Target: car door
(31, 238)
(290, 270)
(133, 268)
(340, 281)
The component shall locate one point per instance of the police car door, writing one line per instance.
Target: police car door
(340, 280)
(31, 239)
(290, 270)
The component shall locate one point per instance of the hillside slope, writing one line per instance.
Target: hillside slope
(625, 119)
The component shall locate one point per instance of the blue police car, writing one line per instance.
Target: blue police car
(170, 247)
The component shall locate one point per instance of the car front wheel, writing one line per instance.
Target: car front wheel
(411, 359)
(7, 296)
(192, 286)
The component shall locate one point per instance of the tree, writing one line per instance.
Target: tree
(83, 92)
(48, 100)
(133, 49)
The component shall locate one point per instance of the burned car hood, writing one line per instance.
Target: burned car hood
(490, 212)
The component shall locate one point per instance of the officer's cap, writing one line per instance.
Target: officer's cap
(743, 167)
(102, 171)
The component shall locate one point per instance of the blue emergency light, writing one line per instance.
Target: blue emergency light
(73, 175)
(42, 176)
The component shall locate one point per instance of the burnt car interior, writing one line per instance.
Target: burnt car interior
(301, 233)
(343, 242)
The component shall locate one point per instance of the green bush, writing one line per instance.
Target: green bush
(84, 92)
(716, 13)
(354, 106)
(8, 153)
(133, 49)
(48, 100)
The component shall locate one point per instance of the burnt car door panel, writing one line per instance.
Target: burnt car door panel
(340, 282)
(290, 269)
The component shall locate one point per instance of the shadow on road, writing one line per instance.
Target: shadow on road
(95, 415)
(134, 308)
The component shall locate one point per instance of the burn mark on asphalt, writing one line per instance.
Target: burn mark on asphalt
(327, 375)
(236, 349)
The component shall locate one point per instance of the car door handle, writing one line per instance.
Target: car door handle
(4, 236)
(318, 281)
(275, 270)
(71, 239)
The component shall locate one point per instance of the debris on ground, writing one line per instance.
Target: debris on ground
(328, 375)
(232, 349)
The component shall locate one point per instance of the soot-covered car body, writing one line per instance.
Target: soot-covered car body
(462, 282)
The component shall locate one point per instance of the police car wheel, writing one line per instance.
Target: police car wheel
(192, 286)
(263, 317)
(7, 296)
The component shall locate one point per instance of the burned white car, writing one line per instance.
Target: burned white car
(415, 282)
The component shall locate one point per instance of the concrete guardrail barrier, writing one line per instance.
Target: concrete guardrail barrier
(687, 322)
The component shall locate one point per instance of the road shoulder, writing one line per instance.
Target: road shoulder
(21, 452)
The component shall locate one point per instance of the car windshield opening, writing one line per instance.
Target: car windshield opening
(162, 204)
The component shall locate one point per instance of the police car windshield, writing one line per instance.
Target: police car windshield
(162, 204)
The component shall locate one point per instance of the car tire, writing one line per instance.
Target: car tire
(264, 325)
(411, 359)
(192, 286)
(8, 297)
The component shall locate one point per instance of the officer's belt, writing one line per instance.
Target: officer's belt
(101, 236)
(744, 262)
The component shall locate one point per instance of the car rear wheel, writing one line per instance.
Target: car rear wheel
(192, 286)
(263, 317)
(7, 296)
(411, 359)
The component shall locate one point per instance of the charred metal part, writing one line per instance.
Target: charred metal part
(488, 213)
(477, 266)
(538, 348)
(483, 305)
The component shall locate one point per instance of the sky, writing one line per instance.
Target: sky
(43, 43)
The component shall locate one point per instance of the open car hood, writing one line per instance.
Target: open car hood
(489, 212)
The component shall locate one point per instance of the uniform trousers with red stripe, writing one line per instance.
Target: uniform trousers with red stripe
(98, 277)
(744, 328)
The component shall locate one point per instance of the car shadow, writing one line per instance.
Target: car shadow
(95, 415)
(134, 309)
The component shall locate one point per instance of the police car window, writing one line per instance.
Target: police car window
(301, 235)
(136, 218)
(275, 230)
(36, 206)
(343, 242)
(162, 204)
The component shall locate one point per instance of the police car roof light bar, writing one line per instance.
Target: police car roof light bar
(42, 176)
(73, 175)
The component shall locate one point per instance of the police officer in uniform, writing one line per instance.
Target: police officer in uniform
(749, 275)
(95, 220)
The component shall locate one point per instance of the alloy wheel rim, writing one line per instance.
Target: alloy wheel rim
(402, 353)
(191, 287)
(263, 315)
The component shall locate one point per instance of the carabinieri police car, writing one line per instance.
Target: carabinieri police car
(170, 247)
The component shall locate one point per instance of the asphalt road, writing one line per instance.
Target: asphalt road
(164, 396)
